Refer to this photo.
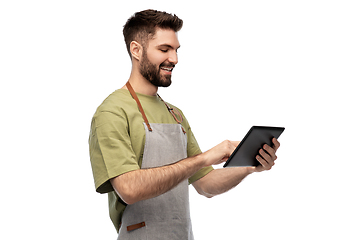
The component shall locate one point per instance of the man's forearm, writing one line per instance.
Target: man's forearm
(144, 184)
(220, 181)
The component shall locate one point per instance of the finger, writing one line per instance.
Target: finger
(264, 164)
(235, 143)
(230, 147)
(266, 156)
(276, 144)
(227, 148)
(270, 151)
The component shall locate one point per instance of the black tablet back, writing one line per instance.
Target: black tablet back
(246, 151)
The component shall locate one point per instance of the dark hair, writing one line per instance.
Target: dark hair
(142, 26)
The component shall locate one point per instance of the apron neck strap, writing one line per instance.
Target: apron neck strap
(133, 94)
(171, 110)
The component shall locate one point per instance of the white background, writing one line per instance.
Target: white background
(241, 63)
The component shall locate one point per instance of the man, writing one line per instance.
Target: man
(142, 150)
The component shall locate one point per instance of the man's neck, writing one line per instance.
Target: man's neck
(141, 85)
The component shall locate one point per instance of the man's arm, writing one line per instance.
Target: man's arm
(144, 184)
(220, 181)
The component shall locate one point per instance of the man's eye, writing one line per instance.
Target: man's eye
(164, 50)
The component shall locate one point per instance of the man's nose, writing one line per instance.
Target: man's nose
(173, 57)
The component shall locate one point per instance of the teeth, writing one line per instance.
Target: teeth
(167, 69)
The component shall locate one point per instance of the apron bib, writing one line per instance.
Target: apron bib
(165, 217)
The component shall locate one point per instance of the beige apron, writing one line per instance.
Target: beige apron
(166, 216)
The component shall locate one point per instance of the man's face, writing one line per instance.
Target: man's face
(160, 57)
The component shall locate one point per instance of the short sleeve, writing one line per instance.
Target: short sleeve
(111, 152)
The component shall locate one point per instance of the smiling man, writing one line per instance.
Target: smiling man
(158, 58)
(142, 150)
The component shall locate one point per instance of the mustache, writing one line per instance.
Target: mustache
(169, 65)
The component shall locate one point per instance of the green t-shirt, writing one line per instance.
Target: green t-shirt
(117, 140)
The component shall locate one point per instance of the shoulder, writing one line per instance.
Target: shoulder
(116, 105)
(116, 101)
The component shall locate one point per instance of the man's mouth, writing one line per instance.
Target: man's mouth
(167, 69)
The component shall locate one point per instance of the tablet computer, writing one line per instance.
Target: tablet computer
(245, 153)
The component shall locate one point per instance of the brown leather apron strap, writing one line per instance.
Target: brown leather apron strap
(171, 110)
(135, 226)
(133, 94)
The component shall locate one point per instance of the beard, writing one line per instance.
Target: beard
(151, 72)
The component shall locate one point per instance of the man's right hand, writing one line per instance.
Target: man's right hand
(220, 153)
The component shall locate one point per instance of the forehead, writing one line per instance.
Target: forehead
(164, 37)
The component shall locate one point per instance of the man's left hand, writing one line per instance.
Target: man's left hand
(267, 156)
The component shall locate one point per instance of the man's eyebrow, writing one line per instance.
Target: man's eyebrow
(167, 45)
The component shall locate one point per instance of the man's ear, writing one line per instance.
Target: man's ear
(136, 50)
